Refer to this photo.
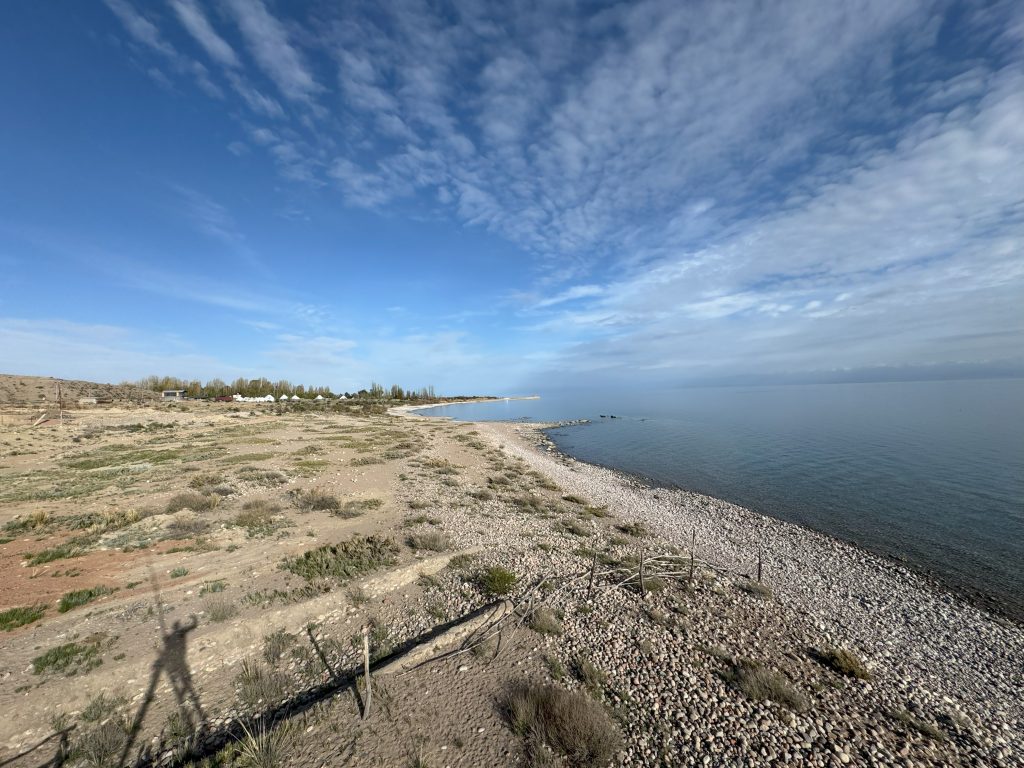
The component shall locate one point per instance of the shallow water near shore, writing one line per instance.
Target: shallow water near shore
(928, 473)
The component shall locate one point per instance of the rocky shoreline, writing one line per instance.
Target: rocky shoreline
(934, 658)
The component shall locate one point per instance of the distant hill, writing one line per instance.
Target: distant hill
(26, 390)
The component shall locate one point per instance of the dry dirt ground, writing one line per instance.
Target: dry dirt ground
(182, 517)
(32, 390)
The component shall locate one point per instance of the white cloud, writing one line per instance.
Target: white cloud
(195, 21)
(268, 41)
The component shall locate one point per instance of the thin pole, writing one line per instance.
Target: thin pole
(366, 671)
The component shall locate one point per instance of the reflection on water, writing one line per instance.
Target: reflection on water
(931, 473)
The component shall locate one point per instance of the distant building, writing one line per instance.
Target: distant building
(173, 394)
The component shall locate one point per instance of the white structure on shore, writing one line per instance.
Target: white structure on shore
(283, 398)
(319, 397)
(295, 398)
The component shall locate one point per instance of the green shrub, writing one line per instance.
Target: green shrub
(633, 529)
(13, 618)
(177, 573)
(68, 659)
(220, 608)
(344, 561)
(81, 597)
(495, 580)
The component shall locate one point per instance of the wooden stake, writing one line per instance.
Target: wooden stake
(593, 569)
(366, 672)
(758, 565)
(693, 547)
(643, 587)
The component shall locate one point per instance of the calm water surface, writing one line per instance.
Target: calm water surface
(930, 473)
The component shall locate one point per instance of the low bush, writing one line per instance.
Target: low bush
(435, 541)
(257, 517)
(755, 588)
(495, 580)
(81, 597)
(197, 502)
(633, 529)
(315, 500)
(220, 608)
(344, 561)
(13, 618)
(762, 684)
(571, 725)
(68, 659)
(545, 621)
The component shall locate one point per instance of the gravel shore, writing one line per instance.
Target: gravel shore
(938, 663)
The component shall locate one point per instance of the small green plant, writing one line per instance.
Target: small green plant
(81, 597)
(218, 585)
(496, 580)
(344, 561)
(68, 659)
(462, 561)
(265, 746)
(101, 706)
(60, 552)
(257, 685)
(13, 618)
(177, 573)
(267, 478)
(357, 507)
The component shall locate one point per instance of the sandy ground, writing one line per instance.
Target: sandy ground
(94, 504)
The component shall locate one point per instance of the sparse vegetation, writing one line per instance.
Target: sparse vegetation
(265, 746)
(257, 685)
(276, 644)
(635, 529)
(177, 573)
(68, 659)
(923, 727)
(268, 478)
(315, 500)
(843, 662)
(755, 588)
(13, 618)
(344, 561)
(568, 724)
(197, 502)
(220, 608)
(435, 541)
(496, 580)
(545, 621)
(257, 517)
(81, 597)
(760, 683)
(592, 677)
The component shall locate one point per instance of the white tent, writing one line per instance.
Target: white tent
(268, 399)
(319, 397)
(237, 397)
(282, 398)
(295, 397)
(342, 397)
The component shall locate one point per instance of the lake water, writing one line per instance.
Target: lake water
(928, 473)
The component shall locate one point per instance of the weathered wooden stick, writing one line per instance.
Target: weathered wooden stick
(366, 671)
(643, 588)
(593, 568)
(758, 565)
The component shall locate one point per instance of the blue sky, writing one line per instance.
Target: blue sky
(510, 197)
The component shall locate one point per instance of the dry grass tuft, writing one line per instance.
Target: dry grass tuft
(560, 723)
(762, 684)
(843, 662)
(197, 502)
(434, 541)
(545, 621)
